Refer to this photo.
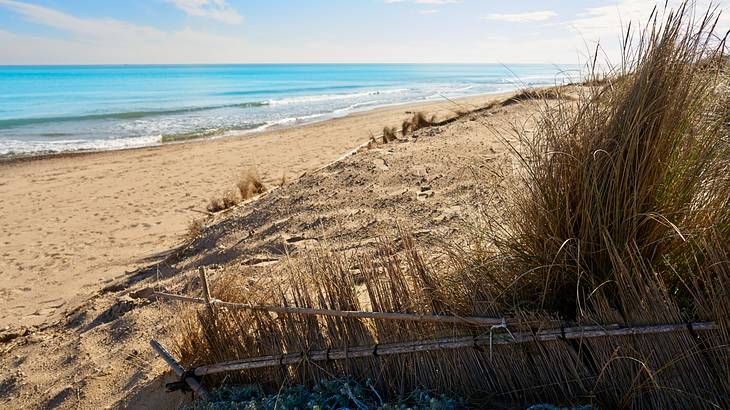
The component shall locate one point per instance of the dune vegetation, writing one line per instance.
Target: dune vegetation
(248, 186)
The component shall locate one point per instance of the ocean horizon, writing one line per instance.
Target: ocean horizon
(50, 109)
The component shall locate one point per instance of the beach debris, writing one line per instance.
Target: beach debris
(143, 293)
(9, 334)
(258, 261)
(186, 378)
(424, 192)
(381, 164)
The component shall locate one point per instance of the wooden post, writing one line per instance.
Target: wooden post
(175, 366)
(206, 288)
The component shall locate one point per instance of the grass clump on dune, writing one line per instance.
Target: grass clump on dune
(417, 122)
(389, 134)
(633, 177)
(230, 199)
(196, 227)
(534, 94)
(248, 186)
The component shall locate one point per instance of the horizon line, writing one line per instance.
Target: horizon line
(278, 63)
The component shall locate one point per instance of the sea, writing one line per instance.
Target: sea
(50, 109)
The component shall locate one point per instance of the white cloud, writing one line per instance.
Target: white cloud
(595, 22)
(109, 41)
(437, 1)
(80, 40)
(87, 28)
(522, 17)
(606, 25)
(213, 9)
(434, 2)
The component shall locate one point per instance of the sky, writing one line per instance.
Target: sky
(316, 31)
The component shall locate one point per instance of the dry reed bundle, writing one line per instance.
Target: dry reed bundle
(391, 278)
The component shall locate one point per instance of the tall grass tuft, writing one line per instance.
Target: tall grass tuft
(634, 172)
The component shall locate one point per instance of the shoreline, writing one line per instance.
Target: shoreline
(9, 159)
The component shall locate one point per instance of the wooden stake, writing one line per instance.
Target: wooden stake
(190, 381)
(417, 317)
(446, 344)
(206, 289)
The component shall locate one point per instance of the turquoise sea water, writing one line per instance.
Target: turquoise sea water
(64, 108)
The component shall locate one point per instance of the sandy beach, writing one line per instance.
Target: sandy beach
(222, 204)
(70, 224)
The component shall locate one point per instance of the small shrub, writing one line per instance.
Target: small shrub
(195, 229)
(228, 200)
(248, 187)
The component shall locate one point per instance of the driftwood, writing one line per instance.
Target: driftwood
(416, 317)
(447, 344)
(191, 381)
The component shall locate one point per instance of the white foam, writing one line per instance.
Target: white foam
(332, 97)
(354, 107)
(13, 146)
(294, 120)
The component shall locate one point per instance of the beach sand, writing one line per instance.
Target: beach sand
(70, 224)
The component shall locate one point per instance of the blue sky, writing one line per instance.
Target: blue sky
(313, 31)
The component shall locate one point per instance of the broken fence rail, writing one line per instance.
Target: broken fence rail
(185, 376)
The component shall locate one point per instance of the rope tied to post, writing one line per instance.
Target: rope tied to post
(502, 325)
